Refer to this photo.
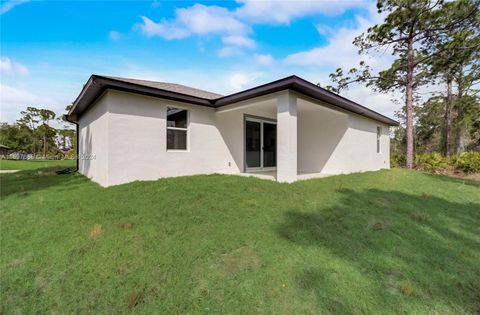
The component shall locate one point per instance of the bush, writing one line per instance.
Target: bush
(468, 162)
(398, 160)
(430, 162)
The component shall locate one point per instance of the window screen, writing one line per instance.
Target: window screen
(177, 128)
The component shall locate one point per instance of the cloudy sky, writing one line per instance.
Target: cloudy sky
(48, 49)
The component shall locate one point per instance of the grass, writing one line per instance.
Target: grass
(34, 164)
(374, 243)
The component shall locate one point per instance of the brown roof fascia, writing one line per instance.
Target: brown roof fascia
(96, 85)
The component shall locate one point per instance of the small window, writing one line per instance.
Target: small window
(177, 128)
(379, 133)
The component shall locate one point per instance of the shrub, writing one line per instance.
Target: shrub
(468, 162)
(398, 160)
(430, 162)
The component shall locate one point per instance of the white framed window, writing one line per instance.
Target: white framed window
(177, 129)
(379, 134)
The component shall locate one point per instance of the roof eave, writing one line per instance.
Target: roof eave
(302, 86)
(96, 85)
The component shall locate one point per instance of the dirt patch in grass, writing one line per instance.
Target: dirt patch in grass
(425, 196)
(406, 287)
(95, 231)
(238, 260)
(133, 299)
(126, 226)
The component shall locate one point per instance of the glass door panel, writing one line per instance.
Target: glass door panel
(253, 145)
(269, 145)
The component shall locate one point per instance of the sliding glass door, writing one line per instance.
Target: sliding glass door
(260, 144)
(269, 145)
(253, 144)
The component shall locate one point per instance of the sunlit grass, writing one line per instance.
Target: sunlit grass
(377, 243)
(34, 164)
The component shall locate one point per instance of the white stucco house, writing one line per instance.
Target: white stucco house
(286, 130)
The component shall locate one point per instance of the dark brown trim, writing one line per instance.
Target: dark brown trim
(259, 117)
(304, 87)
(96, 85)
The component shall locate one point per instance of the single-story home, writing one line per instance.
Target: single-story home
(286, 130)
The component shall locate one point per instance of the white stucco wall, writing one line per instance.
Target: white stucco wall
(126, 133)
(334, 142)
(231, 126)
(93, 142)
(137, 141)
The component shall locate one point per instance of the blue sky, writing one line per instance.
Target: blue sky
(50, 48)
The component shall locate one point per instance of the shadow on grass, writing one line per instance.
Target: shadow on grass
(23, 182)
(396, 252)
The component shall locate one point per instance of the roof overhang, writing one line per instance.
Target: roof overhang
(96, 85)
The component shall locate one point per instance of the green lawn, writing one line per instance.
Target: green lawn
(34, 164)
(375, 243)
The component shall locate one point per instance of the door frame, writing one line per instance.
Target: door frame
(261, 120)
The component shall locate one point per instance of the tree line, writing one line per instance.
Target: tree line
(436, 46)
(34, 134)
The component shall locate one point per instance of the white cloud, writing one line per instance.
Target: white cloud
(10, 4)
(229, 51)
(241, 80)
(282, 12)
(233, 25)
(196, 20)
(14, 100)
(7, 66)
(263, 60)
(339, 52)
(201, 19)
(163, 29)
(238, 40)
(379, 102)
(234, 44)
(114, 35)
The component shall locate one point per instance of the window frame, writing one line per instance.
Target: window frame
(186, 129)
(379, 143)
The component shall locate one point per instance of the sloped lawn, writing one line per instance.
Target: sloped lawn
(376, 243)
(34, 164)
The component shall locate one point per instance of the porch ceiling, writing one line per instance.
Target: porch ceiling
(269, 105)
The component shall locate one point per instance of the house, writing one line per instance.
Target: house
(4, 151)
(286, 130)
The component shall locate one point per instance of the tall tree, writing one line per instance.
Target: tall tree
(467, 102)
(457, 61)
(47, 131)
(29, 122)
(429, 126)
(409, 29)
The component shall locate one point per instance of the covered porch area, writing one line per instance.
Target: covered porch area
(285, 136)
